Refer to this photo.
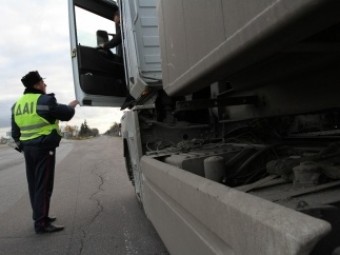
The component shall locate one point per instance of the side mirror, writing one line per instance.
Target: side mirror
(102, 37)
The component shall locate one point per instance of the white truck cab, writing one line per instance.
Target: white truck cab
(105, 77)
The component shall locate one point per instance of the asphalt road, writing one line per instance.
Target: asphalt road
(92, 198)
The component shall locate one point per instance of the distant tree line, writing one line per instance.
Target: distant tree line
(86, 131)
(114, 130)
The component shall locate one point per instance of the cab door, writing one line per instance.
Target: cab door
(99, 75)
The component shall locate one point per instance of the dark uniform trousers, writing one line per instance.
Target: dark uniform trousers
(40, 166)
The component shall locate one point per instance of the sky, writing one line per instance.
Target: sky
(35, 36)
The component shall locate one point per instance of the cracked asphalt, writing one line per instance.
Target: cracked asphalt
(92, 198)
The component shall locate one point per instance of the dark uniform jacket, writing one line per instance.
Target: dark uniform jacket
(53, 112)
(116, 41)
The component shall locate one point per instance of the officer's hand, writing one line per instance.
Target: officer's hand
(73, 103)
(18, 147)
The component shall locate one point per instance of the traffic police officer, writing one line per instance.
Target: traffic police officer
(35, 130)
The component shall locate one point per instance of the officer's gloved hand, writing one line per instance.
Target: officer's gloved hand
(19, 146)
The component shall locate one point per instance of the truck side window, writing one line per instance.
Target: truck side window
(87, 26)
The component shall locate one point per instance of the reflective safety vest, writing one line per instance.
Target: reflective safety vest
(30, 123)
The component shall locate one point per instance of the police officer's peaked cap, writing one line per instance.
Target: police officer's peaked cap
(31, 78)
